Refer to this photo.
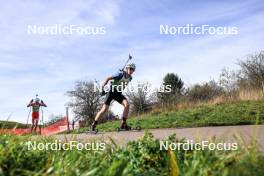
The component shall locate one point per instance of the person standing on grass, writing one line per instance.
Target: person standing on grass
(122, 78)
(35, 104)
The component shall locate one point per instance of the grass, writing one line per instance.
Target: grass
(229, 113)
(10, 125)
(141, 157)
(144, 157)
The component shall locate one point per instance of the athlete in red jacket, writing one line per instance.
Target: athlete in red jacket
(36, 104)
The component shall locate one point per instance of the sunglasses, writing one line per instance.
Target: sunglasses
(132, 69)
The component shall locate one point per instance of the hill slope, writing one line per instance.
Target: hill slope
(10, 124)
(230, 113)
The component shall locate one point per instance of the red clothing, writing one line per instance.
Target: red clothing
(35, 115)
(35, 108)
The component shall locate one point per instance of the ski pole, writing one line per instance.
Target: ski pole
(129, 58)
(28, 116)
(42, 118)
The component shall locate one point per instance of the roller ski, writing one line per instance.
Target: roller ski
(125, 127)
(93, 129)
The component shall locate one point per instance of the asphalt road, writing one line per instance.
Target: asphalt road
(244, 135)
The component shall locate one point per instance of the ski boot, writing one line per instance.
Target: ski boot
(93, 129)
(125, 127)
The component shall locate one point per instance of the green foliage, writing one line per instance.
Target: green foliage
(175, 82)
(142, 157)
(176, 85)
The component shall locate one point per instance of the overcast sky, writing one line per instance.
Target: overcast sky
(50, 64)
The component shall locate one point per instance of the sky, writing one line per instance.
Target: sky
(49, 65)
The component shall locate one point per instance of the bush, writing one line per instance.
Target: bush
(205, 92)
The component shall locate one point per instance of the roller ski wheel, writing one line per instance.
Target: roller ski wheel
(92, 131)
(119, 129)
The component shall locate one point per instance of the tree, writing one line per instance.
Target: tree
(176, 84)
(252, 71)
(140, 99)
(229, 81)
(85, 100)
(175, 81)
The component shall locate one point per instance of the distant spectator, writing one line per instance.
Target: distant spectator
(73, 124)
